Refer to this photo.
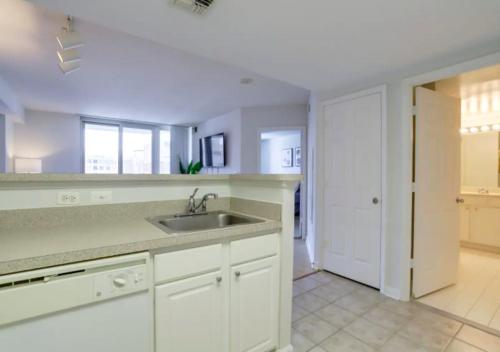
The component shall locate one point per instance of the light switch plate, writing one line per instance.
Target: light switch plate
(101, 196)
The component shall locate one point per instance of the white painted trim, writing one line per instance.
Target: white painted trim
(382, 90)
(407, 129)
(288, 348)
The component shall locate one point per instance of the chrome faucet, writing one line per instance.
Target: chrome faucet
(192, 207)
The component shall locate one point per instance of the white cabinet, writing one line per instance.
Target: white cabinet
(254, 306)
(485, 225)
(189, 314)
(219, 298)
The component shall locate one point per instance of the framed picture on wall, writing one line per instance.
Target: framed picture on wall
(287, 157)
(297, 157)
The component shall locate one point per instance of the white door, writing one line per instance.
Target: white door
(437, 187)
(254, 306)
(189, 315)
(352, 193)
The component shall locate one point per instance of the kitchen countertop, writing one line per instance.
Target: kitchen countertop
(37, 247)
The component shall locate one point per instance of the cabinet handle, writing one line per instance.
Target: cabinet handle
(237, 274)
(218, 279)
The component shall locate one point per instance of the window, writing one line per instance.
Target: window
(124, 148)
(101, 149)
(164, 151)
(137, 151)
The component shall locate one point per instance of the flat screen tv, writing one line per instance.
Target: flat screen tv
(213, 151)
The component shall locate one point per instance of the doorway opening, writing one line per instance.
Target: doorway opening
(456, 211)
(281, 152)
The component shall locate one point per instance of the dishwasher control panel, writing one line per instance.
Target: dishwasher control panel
(120, 282)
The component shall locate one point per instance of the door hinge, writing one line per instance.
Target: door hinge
(412, 263)
(414, 110)
(413, 187)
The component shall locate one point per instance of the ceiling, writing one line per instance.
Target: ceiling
(279, 134)
(122, 75)
(321, 44)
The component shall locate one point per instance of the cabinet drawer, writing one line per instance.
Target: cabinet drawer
(187, 262)
(254, 248)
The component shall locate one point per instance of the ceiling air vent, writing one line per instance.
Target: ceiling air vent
(197, 6)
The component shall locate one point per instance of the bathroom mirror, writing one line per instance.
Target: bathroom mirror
(480, 160)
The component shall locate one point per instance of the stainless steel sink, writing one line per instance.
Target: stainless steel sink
(199, 222)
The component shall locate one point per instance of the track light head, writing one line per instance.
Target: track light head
(69, 67)
(70, 55)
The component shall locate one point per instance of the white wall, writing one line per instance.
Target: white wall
(230, 125)
(312, 244)
(256, 119)
(271, 158)
(53, 137)
(3, 144)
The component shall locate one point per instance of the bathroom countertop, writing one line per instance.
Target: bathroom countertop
(37, 247)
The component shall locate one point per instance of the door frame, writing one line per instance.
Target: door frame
(303, 169)
(320, 234)
(407, 85)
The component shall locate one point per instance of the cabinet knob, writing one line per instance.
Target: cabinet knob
(375, 200)
(218, 279)
(237, 274)
(119, 282)
(459, 200)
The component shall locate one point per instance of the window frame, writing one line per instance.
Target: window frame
(121, 124)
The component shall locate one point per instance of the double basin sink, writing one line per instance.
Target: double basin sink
(201, 221)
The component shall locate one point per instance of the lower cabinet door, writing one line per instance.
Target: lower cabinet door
(189, 315)
(254, 306)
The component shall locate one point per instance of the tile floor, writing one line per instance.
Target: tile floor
(301, 262)
(333, 314)
(476, 296)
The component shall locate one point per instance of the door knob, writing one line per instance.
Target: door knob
(459, 200)
(375, 200)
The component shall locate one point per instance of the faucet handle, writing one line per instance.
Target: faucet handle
(194, 192)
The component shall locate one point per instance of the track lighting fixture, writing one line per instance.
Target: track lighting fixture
(69, 41)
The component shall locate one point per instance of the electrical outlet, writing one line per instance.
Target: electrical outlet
(67, 197)
(101, 196)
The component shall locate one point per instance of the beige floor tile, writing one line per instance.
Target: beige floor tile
(386, 318)
(407, 309)
(343, 342)
(371, 334)
(347, 285)
(370, 293)
(310, 302)
(356, 304)
(438, 322)
(426, 336)
(478, 338)
(336, 316)
(314, 329)
(459, 346)
(399, 343)
(298, 313)
(298, 290)
(317, 349)
(323, 277)
(329, 292)
(307, 283)
(300, 343)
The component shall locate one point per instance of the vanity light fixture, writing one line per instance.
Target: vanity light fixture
(477, 129)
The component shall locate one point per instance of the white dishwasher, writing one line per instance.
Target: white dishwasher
(100, 306)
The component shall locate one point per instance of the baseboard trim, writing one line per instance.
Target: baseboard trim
(391, 292)
(480, 247)
(288, 348)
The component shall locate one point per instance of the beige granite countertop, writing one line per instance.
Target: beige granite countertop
(80, 234)
(28, 249)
